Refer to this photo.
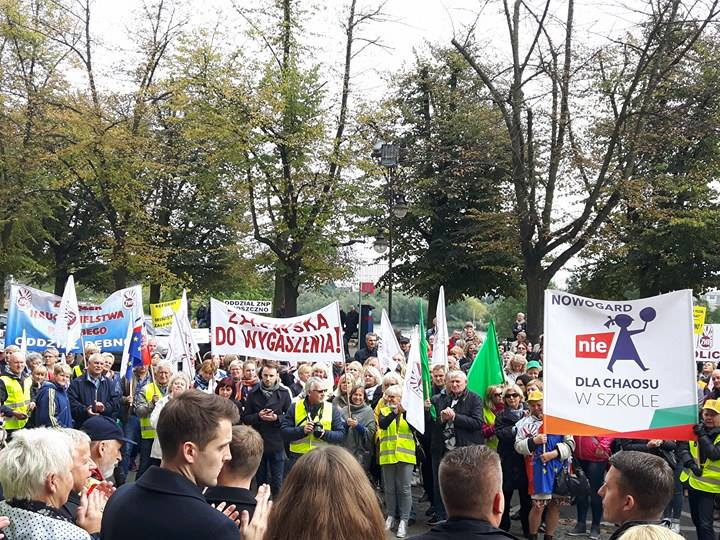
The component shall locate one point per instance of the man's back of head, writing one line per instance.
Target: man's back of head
(246, 450)
(471, 484)
(638, 486)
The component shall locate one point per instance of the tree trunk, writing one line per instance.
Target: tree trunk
(3, 277)
(154, 293)
(61, 277)
(536, 281)
(432, 307)
(279, 292)
(291, 294)
(120, 278)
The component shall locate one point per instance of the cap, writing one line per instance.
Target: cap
(533, 364)
(713, 405)
(102, 428)
(403, 340)
(535, 395)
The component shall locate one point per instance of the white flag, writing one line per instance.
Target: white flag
(181, 343)
(388, 346)
(412, 398)
(440, 346)
(67, 325)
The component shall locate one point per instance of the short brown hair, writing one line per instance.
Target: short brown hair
(648, 478)
(469, 477)
(246, 449)
(193, 416)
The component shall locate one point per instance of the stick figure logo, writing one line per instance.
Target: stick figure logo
(624, 345)
(599, 345)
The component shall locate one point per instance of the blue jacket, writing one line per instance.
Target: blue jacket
(164, 504)
(52, 407)
(83, 394)
(336, 435)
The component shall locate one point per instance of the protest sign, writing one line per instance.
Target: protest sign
(315, 337)
(163, 313)
(620, 368)
(263, 307)
(34, 312)
(707, 344)
(699, 318)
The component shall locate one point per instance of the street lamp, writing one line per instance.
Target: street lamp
(388, 156)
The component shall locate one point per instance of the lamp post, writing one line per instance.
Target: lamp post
(388, 156)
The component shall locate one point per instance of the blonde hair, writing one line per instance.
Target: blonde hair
(62, 369)
(394, 390)
(514, 388)
(650, 532)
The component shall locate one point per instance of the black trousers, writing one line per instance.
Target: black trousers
(701, 511)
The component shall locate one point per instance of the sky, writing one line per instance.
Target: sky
(408, 26)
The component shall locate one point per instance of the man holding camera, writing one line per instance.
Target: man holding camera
(312, 422)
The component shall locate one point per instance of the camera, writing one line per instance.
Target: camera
(318, 430)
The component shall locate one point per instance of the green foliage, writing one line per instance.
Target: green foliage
(458, 232)
(503, 312)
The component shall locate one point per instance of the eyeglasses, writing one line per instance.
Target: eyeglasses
(499, 394)
(511, 395)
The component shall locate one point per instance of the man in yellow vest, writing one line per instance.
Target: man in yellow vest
(312, 421)
(701, 460)
(15, 385)
(144, 407)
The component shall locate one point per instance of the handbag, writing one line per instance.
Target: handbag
(571, 481)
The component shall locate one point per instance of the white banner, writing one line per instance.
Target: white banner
(182, 348)
(442, 340)
(707, 344)
(263, 307)
(620, 367)
(412, 397)
(67, 324)
(315, 337)
(388, 346)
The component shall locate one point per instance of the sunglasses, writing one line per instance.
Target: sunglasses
(499, 394)
(511, 395)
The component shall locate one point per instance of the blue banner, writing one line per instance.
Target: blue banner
(105, 325)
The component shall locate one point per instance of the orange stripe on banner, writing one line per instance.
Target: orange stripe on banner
(561, 426)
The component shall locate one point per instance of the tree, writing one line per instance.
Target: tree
(296, 163)
(666, 233)
(612, 89)
(459, 230)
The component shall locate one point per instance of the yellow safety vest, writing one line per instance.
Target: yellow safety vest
(489, 419)
(146, 429)
(18, 399)
(397, 443)
(309, 442)
(710, 479)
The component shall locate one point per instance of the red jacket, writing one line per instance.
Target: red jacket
(593, 448)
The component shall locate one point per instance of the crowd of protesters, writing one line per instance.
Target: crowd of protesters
(254, 448)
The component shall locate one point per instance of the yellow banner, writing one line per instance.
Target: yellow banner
(699, 318)
(162, 314)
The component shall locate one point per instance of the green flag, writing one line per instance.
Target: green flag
(486, 369)
(425, 362)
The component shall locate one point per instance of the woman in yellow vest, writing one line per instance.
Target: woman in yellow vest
(701, 462)
(15, 403)
(492, 405)
(397, 459)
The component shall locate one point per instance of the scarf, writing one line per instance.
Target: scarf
(38, 507)
(200, 383)
(268, 391)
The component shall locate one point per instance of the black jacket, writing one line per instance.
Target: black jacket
(468, 421)
(163, 504)
(363, 354)
(629, 524)
(82, 394)
(279, 401)
(513, 464)
(457, 527)
(242, 498)
(666, 450)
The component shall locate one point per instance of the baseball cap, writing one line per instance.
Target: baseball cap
(102, 428)
(535, 395)
(533, 364)
(713, 405)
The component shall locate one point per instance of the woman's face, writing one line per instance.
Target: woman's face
(372, 362)
(358, 397)
(369, 379)
(225, 391)
(392, 400)
(517, 367)
(532, 388)
(521, 385)
(533, 372)
(512, 399)
(236, 372)
(319, 373)
(353, 370)
(497, 396)
(343, 386)
(206, 375)
(178, 387)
